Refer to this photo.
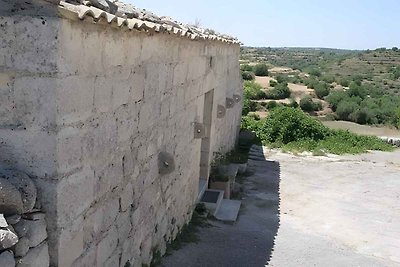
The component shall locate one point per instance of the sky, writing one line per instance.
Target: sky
(346, 24)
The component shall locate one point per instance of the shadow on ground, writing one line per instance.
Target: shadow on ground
(249, 241)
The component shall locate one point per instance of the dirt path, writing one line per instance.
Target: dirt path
(309, 211)
(362, 129)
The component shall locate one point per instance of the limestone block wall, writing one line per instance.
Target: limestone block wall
(86, 109)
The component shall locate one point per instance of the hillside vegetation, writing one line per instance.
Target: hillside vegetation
(293, 130)
(357, 86)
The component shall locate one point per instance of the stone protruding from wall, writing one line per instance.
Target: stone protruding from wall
(23, 234)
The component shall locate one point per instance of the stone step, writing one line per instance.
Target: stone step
(257, 158)
(212, 200)
(228, 210)
(257, 154)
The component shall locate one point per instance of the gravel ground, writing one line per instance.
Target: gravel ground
(308, 211)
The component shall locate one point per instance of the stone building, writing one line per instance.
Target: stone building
(114, 113)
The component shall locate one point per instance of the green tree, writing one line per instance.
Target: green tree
(315, 72)
(308, 105)
(281, 91)
(321, 90)
(345, 108)
(261, 70)
(272, 83)
(246, 67)
(335, 97)
(253, 90)
(356, 90)
(248, 106)
(282, 78)
(344, 82)
(248, 75)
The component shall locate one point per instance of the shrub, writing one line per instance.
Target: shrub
(285, 125)
(293, 130)
(254, 116)
(271, 105)
(311, 83)
(328, 78)
(248, 76)
(362, 116)
(308, 105)
(261, 70)
(344, 82)
(272, 83)
(345, 108)
(253, 90)
(248, 106)
(281, 91)
(282, 78)
(335, 97)
(356, 90)
(249, 123)
(321, 90)
(293, 103)
(246, 67)
(315, 72)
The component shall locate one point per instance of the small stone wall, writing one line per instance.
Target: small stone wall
(391, 140)
(23, 234)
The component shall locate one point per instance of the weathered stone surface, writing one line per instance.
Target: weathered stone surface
(126, 199)
(106, 246)
(127, 10)
(71, 247)
(24, 184)
(123, 225)
(7, 259)
(117, 100)
(3, 222)
(149, 16)
(34, 216)
(10, 198)
(36, 257)
(102, 4)
(7, 238)
(13, 219)
(22, 247)
(34, 231)
(75, 194)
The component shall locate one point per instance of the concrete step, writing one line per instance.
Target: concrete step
(212, 200)
(202, 188)
(258, 158)
(228, 210)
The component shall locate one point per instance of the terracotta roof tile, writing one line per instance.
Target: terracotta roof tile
(146, 21)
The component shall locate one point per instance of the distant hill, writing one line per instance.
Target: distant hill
(377, 67)
(359, 86)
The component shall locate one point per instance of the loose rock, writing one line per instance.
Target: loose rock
(3, 222)
(22, 247)
(36, 257)
(127, 10)
(7, 259)
(25, 186)
(10, 198)
(13, 219)
(35, 231)
(7, 238)
(102, 4)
